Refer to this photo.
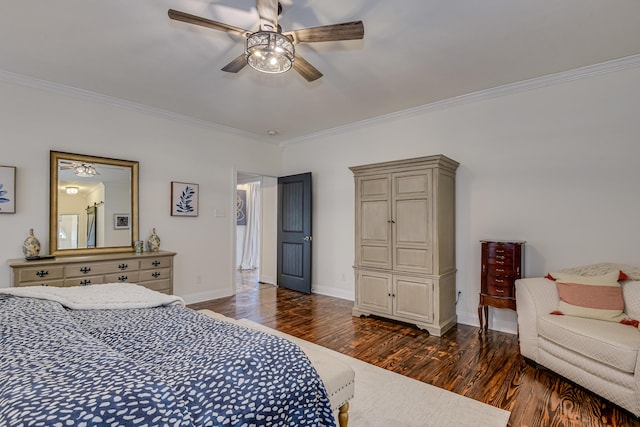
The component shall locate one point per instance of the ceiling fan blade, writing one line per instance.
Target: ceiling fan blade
(305, 69)
(268, 11)
(236, 65)
(345, 31)
(203, 22)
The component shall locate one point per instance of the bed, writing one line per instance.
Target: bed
(121, 354)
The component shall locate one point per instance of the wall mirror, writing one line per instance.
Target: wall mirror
(93, 204)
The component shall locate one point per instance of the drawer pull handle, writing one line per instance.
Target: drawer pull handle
(155, 274)
(500, 291)
(85, 282)
(500, 270)
(123, 266)
(500, 262)
(122, 279)
(500, 256)
(42, 273)
(500, 251)
(499, 281)
(155, 263)
(85, 270)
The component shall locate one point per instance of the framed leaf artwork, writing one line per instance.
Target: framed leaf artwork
(7, 189)
(184, 199)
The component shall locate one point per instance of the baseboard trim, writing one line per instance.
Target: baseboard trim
(206, 296)
(331, 291)
(494, 324)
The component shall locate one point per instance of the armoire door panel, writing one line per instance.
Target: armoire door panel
(407, 259)
(412, 222)
(375, 291)
(412, 184)
(413, 298)
(375, 256)
(374, 226)
(374, 187)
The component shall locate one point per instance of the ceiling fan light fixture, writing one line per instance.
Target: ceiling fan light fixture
(269, 52)
(85, 170)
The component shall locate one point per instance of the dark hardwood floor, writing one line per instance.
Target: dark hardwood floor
(490, 369)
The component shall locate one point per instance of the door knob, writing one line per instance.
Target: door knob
(307, 238)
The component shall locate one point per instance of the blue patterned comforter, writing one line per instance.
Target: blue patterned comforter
(163, 366)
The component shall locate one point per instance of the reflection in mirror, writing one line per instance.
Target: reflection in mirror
(87, 192)
(68, 231)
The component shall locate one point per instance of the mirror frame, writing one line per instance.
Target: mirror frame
(55, 156)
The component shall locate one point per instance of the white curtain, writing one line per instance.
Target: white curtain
(251, 250)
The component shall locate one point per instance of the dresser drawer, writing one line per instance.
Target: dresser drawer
(57, 282)
(500, 290)
(501, 280)
(157, 274)
(90, 269)
(159, 285)
(84, 281)
(43, 274)
(156, 262)
(501, 270)
(123, 277)
(500, 248)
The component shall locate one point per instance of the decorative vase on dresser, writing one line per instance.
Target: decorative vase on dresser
(154, 242)
(502, 264)
(405, 241)
(31, 245)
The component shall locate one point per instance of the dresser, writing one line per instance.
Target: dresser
(405, 241)
(502, 263)
(153, 270)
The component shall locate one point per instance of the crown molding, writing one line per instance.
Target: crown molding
(509, 89)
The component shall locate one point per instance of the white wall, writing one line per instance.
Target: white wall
(34, 121)
(555, 166)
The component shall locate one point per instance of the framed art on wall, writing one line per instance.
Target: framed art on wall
(121, 221)
(7, 189)
(241, 207)
(184, 199)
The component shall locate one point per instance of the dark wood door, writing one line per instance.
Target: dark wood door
(294, 232)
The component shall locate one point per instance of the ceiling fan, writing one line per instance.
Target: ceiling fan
(269, 49)
(81, 169)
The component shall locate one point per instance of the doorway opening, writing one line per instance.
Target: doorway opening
(255, 257)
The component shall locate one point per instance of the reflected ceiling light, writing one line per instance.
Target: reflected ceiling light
(71, 190)
(85, 170)
(269, 52)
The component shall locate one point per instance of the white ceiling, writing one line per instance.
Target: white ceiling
(414, 52)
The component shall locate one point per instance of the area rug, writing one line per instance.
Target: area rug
(386, 399)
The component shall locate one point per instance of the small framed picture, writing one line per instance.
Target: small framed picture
(7, 189)
(184, 199)
(121, 221)
(241, 207)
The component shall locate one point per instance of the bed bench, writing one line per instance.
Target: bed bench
(337, 376)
